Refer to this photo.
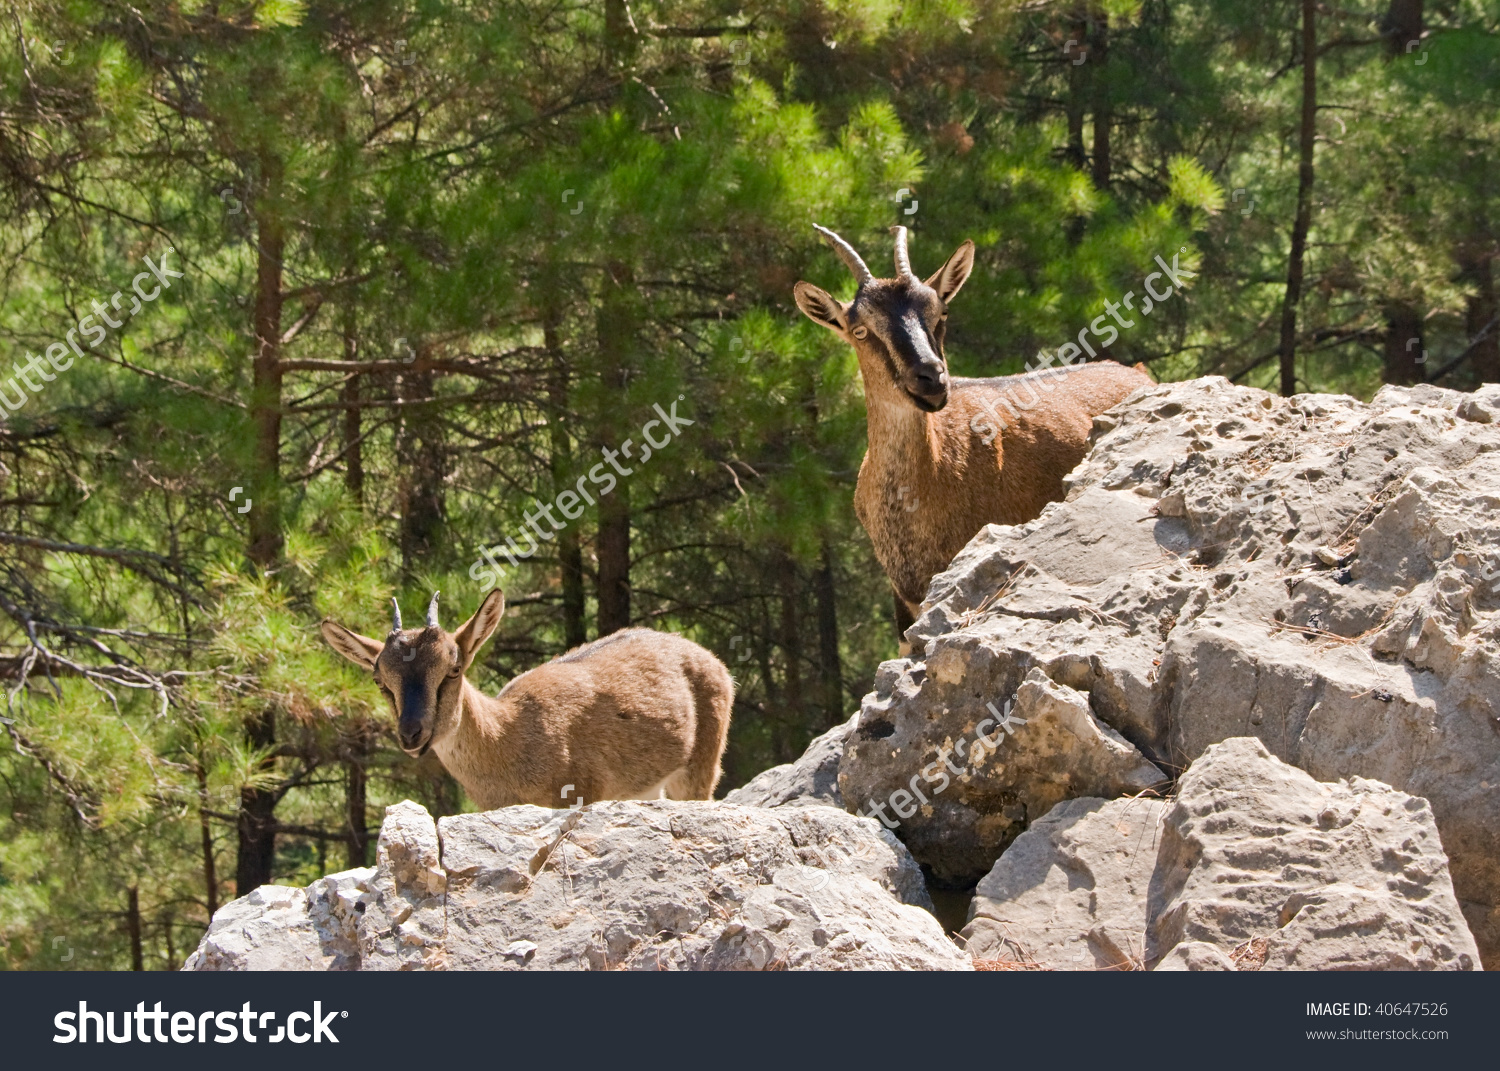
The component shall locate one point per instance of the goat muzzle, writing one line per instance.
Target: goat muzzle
(929, 402)
(416, 745)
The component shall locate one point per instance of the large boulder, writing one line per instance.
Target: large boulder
(959, 776)
(276, 928)
(1346, 876)
(684, 886)
(1317, 572)
(643, 885)
(1254, 866)
(1071, 892)
(812, 779)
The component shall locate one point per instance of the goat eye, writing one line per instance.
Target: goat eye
(861, 332)
(456, 671)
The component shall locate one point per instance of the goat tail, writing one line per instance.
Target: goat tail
(713, 700)
(1140, 367)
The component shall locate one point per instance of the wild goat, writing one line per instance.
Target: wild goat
(635, 715)
(938, 469)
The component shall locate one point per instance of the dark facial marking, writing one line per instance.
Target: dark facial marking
(904, 321)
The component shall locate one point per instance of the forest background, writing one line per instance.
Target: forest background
(436, 257)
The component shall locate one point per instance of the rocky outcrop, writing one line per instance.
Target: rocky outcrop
(684, 886)
(1070, 893)
(962, 778)
(403, 924)
(276, 928)
(1295, 600)
(1254, 866)
(641, 885)
(813, 778)
(1317, 572)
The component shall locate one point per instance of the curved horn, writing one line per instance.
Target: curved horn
(847, 254)
(395, 615)
(432, 621)
(903, 261)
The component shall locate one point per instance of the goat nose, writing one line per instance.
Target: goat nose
(931, 377)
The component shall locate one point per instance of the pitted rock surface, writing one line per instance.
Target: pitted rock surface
(1254, 866)
(1317, 572)
(639, 885)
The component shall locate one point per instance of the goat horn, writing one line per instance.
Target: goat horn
(395, 615)
(903, 261)
(847, 254)
(432, 621)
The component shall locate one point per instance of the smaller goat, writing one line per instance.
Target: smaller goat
(635, 715)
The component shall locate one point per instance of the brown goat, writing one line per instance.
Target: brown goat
(635, 715)
(949, 455)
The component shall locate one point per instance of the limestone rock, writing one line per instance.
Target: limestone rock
(1184, 585)
(1346, 876)
(403, 925)
(1011, 757)
(276, 928)
(1071, 892)
(685, 886)
(813, 778)
(1255, 866)
(643, 885)
(1195, 956)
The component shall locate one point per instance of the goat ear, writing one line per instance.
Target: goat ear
(821, 307)
(950, 278)
(473, 632)
(361, 650)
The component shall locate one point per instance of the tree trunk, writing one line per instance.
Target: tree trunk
(1405, 358)
(570, 562)
(902, 616)
(422, 459)
(829, 668)
(354, 457)
(1076, 106)
(445, 793)
(1076, 56)
(569, 546)
(210, 871)
(615, 325)
(1103, 108)
(789, 745)
(619, 37)
(257, 825)
(265, 400)
(1300, 227)
(614, 561)
(774, 708)
(257, 819)
(1476, 261)
(133, 927)
(1403, 24)
(1479, 317)
(357, 842)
